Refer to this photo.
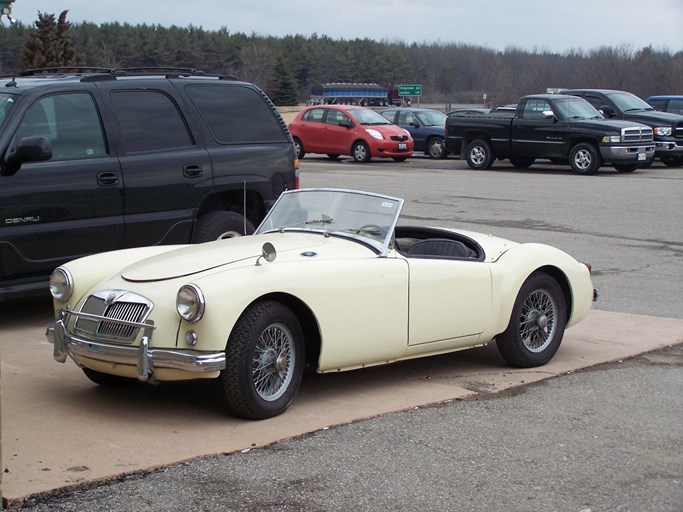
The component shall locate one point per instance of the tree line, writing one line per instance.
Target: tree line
(287, 67)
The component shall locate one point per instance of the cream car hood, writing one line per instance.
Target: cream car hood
(193, 259)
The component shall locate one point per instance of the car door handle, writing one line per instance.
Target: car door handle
(107, 179)
(192, 170)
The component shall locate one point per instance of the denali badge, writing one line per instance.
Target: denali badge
(22, 220)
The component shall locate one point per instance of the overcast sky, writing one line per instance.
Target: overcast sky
(534, 25)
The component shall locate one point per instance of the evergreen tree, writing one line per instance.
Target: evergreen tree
(49, 44)
(283, 85)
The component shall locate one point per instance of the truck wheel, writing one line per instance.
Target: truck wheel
(625, 167)
(584, 159)
(264, 361)
(672, 161)
(360, 152)
(479, 154)
(436, 148)
(220, 224)
(522, 162)
(300, 153)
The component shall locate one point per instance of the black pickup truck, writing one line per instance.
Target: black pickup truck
(667, 126)
(561, 128)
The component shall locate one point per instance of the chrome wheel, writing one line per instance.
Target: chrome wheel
(273, 364)
(583, 159)
(537, 321)
(477, 155)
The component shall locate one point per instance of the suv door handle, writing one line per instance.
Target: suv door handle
(192, 170)
(107, 179)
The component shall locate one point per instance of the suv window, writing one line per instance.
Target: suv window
(149, 121)
(236, 114)
(70, 122)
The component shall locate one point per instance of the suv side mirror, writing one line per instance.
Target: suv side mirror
(606, 111)
(29, 149)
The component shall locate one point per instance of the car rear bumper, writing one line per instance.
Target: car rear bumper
(633, 154)
(143, 357)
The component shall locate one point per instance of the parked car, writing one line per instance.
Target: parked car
(329, 282)
(349, 130)
(93, 160)
(670, 103)
(667, 127)
(426, 127)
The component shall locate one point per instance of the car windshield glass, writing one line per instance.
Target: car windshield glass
(366, 116)
(626, 102)
(577, 108)
(432, 118)
(370, 218)
(7, 102)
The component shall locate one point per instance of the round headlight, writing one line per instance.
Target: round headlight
(190, 303)
(61, 284)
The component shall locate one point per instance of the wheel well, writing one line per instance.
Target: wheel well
(469, 137)
(234, 201)
(574, 142)
(563, 282)
(308, 322)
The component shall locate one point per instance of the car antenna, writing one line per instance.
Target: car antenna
(6, 9)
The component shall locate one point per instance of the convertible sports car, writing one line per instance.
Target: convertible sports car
(329, 282)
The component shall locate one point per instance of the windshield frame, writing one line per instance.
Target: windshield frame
(367, 117)
(336, 212)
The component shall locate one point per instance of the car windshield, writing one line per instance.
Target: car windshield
(7, 102)
(363, 216)
(627, 102)
(432, 118)
(365, 116)
(577, 108)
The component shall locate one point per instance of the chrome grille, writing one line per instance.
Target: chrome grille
(113, 314)
(636, 134)
(678, 130)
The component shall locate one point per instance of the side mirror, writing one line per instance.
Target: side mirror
(29, 149)
(346, 123)
(548, 114)
(606, 111)
(268, 253)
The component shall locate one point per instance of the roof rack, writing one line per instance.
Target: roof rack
(169, 71)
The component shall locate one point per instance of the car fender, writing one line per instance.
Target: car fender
(360, 307)
(514, 267)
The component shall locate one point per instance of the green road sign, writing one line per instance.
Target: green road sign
(410, 90)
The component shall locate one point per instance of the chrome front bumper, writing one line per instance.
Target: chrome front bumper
(144, 357)
(634, 154)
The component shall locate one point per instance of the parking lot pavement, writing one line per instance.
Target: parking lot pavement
(60, 431)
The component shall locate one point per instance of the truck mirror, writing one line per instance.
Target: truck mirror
(29, 149)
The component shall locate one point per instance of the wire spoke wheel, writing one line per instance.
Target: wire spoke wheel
(537, 322)
(273, 364)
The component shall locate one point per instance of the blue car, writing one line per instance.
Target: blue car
(667, 103)
(426, 126)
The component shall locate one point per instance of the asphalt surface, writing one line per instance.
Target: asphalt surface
(609, 438)
(588, 441)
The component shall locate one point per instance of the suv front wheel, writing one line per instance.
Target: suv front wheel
(220, 224)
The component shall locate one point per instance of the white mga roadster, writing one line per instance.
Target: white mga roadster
(329, 282)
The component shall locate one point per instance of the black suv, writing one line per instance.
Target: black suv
(667, 127)
(95, 160)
